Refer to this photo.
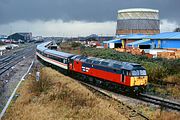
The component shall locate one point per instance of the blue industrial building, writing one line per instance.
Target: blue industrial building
(162, 40)
(116, 43)
(142, 44)
(2, 37)
(166, 40)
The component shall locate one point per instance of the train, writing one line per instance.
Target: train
(125, 76)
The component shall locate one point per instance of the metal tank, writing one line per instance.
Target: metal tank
(138, 21)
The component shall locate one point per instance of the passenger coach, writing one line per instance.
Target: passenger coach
(57, 58)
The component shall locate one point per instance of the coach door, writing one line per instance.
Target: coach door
(71, 64)
(123, 76)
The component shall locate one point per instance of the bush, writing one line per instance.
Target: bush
(173, 78)
(43, 84)
(75, 44)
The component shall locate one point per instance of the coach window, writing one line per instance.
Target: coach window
(60, 60)
(65, 61)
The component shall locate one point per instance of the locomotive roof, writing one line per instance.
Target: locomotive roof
(108, 62)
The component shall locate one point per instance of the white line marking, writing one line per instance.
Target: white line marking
(12, 95)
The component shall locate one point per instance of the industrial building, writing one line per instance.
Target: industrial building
(163, 40)
(138, 21)
(3, 37)
(166, 40)
(116, 43)
(122, 41)
(25, 37)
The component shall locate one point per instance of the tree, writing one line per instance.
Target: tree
(177, 29)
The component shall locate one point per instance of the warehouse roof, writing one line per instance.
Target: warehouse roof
(133, 36)
(140, 42)
(113, 41)
(165, 35)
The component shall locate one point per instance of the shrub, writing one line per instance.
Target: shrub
(43, 84)
(75, 44)
(173, 78)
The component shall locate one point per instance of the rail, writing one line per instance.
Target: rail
(160, 101)
(12, 60)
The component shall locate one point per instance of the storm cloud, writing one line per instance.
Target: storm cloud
(92, 12)
(81, 10)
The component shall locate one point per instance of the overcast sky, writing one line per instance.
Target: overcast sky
(79, 17)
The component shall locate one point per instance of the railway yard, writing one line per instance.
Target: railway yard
(56, 92)
(13, 66)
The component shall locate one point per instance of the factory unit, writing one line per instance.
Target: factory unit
(166, 40)
(130, 38)
(142, 44)
(116, 43)
(161, 41)
(138, 21)
(122, 41)
(3, 37)
(25, 37)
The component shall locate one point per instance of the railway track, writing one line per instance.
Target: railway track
(131, 113)
(8, 62)
(165, 103)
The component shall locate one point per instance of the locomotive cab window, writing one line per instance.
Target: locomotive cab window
(139, 73)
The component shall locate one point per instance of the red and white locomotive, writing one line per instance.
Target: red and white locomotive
(125, 75)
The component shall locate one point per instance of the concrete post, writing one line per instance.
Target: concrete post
(37, 76)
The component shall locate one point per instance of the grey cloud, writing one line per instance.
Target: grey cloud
(83, 10)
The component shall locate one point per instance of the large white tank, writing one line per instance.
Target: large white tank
(138, 21)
